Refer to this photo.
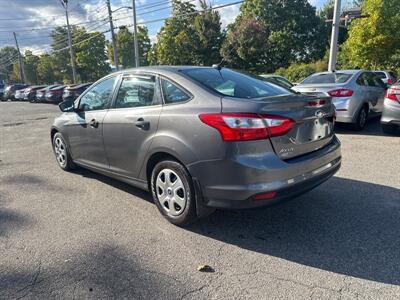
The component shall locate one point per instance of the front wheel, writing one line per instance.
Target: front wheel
(61, 152)
(173, 192)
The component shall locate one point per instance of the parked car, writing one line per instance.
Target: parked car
(277, 79)
(9, 92)
(390, 120)
(54, 95)
(30, 92)
(199, 138)
(356, 94)
(72, 92)
(2, 88)
(41, 93)
(19, 94)
(388, 77)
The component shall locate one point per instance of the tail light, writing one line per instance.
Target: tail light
(393, 94)
(247, 126)
(341, 93)
(390, 81)
(317, 103)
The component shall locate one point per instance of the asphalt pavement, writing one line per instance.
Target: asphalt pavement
(84, 236)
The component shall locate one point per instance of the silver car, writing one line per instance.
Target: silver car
(356, 94)
(388, 77)
(199, 138)
(390, 120)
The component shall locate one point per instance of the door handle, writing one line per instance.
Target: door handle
(93, 123)
(142, 124)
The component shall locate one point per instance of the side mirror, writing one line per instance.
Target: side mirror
(66, 106)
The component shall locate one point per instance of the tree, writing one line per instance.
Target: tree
(91, 57)
(125, 45)
(31, 62)
(176, 38)
(374, 41)
(61, 57)
(245, 47)
(8, 55)
(293, 31)
(207, 27)
(45, 69)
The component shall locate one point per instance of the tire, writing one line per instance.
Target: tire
(361, 120)
(61, 152)
(173, 192)
(388, 128)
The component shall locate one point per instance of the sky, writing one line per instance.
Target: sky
(33, 20)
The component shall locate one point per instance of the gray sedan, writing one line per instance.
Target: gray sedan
(199, 138)
(356, 94)
(390, 119)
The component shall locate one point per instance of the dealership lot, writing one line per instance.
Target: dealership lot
(82, 235)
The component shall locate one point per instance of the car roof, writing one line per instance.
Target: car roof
(341, 71)
(162, 69)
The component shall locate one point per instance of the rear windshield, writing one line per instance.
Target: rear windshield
(327, 78)
(235, 84)
(381, 75)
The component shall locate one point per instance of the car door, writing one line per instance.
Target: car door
(85, 127)
(364, 89)
(379, 89)
(131, 123)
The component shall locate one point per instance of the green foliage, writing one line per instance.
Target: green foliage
(45, 69)
(7, 56)
(126, 47)
(326, 13)
(297, 72)
(291, 33)
(373, 42)
(91, 58)
(31, 62)
(245, 47)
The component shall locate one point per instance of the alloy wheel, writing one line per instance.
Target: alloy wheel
(60, 151)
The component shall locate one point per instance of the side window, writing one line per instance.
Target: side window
(136, 91)
(99, 96)
(362, 80)
(172, 93)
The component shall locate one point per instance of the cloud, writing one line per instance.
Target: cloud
(229, 14)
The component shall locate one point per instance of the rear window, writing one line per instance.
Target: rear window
(381, 75)
(235, 84)
(327, 78)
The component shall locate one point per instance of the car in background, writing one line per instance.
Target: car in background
(356, 94)
(2, 88)
(73, 92)
(277, 79)
(40, 94)
(54, 95)
(390, 120)
(10, 90)
(199, 138)
(388, 77)
(30, 92)
(19, 94)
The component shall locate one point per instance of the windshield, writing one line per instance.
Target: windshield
(231, 83)
(327, 78)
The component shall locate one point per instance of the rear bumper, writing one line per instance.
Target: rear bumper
(234, 183)
(391, 113)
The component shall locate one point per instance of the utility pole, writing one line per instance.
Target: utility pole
(135, 39)
(64, 3)
(21, 61)
(115, 50)
(334, 37)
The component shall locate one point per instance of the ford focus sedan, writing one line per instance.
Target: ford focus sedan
(357, 94)
(199, 138)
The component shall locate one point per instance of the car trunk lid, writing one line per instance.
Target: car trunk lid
(313, 120)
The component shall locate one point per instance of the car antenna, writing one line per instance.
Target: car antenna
(218, 66)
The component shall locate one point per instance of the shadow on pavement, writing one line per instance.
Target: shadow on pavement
(373, 127)
(104, 272)
(10, 220)
(344, 226)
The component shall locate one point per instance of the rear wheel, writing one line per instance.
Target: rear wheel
(61, 152)
(388, 128)
(361, 119)
(173, 193)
